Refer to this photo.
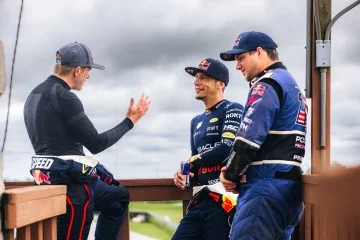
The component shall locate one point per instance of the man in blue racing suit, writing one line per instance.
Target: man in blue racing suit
(264, 164)
(212, 136)
(58, 129)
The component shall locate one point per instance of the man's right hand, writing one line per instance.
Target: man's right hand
(179, 179)
(136, 112)
(228, 185)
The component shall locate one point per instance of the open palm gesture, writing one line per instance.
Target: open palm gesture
(135, 112)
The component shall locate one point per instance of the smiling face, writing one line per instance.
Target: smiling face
(205, 86)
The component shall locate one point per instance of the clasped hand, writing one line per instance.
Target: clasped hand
(228, 185)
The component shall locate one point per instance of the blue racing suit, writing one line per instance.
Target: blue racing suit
(58, 129)
(266, 158)
(212, 136)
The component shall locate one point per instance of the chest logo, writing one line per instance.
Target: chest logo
(213, 120)
(228, 135)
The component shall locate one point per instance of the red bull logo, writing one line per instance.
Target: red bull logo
(228, 203)
(237, 41)
(204, 65)
(41, 178)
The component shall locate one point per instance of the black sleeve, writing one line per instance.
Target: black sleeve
(241, 156)
(69, 106)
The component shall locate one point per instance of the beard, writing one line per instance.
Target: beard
(199, 97)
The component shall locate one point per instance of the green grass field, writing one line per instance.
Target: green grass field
(171, 209)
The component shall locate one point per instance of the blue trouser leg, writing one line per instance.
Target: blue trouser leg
(267, 209)
(79, 212)
(112, 201)
(204, 221)
(291, 226)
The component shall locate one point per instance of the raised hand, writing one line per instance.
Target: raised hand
(135, 112)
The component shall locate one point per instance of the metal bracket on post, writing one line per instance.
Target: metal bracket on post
(323, 53)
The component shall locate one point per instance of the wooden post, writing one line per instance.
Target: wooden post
(50, 230)
(320, 157)
(125, 228)
(2, 189)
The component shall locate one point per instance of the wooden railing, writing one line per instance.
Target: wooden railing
(32, 211)
(140, 190)
(327, 203)
(332, 203)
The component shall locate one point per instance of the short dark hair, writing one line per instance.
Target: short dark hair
(272, 53)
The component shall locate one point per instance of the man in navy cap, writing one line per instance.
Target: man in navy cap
(58, 129)
(264, 164)
(211, 138)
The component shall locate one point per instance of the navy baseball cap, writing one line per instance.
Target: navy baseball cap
(246, 42)
(211, 67)
(76, 55)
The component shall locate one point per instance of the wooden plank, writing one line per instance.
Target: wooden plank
(23, 233)
(9, 234)
(308, 221)
(18, 195)
(147, 182)
(125, 229)
(311, 193)
(50, 232)
(37, 230)
(140, 189)
(311, 179)
(157, 193)
(24, 213)
(315, 223)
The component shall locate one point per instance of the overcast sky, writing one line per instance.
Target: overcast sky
(145, 46)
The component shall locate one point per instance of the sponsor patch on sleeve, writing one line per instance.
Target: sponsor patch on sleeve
(258, 89)
(302, 111)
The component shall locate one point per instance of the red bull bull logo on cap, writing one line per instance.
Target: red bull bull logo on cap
(41, 178)
(204, 65)
(237, 41)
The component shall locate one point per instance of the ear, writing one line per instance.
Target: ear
(260, 51)
(220, 84)
(77, 71)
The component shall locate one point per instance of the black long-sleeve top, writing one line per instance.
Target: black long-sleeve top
(57, 124)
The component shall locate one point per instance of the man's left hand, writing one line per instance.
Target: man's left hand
(105, 175)
(228, 185)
